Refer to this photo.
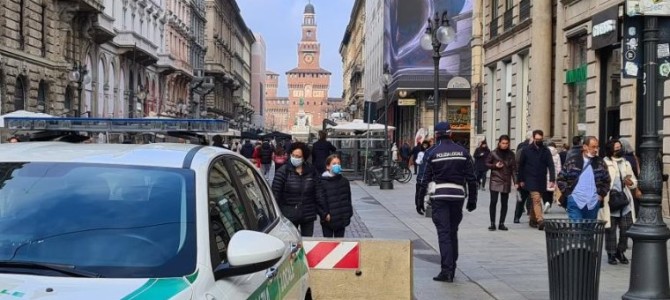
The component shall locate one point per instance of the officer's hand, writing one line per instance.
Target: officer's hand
(471, 206)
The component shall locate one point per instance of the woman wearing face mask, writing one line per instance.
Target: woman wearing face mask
(623, 180)
(294, 187)
(334, 199)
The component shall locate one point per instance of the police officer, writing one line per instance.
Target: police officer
(449, 169)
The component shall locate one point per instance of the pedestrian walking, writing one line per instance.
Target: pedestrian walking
(294, 187)
(449, 171)
(266, 157)
(481, 156)
(247, 150)
(502, 163)
(623, 183)
(320, 150)
(631, 157)
(405, 153)
(548, 195)
(415, 153)
(279, 157)
(534, 163)
(421, 185)
(584, 181)
(334, 199)
(523, 196)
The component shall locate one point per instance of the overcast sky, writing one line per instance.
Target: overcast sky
(279, 22)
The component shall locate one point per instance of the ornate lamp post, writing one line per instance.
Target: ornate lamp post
(649, 265)
(386, 181)
(438, 33)
(79, 74)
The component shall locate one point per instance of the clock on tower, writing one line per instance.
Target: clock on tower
(308, 58)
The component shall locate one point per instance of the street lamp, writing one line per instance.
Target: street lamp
(438, 33)
(386, 182)
(79, 74)
(649, 265)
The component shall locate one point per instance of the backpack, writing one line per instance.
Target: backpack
(419, 158)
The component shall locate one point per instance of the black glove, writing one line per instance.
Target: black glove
(472, 205)
(420, 210)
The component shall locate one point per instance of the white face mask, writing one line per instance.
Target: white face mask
(296, 162)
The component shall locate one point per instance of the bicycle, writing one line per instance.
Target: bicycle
(400, 172)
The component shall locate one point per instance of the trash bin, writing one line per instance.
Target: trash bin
(574, 250)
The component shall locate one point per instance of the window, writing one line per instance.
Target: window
(22, 20)
(44, 29)
(578, 87)
(42, 97)
(68, 99)
(257, 193)
(226, 210)
(19, 94)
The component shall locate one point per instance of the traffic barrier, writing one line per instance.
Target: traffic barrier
(359, 269)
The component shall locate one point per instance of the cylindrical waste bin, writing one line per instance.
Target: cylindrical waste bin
(574, 249)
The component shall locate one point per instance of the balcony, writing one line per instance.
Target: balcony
(103, 26)
(136, 47)
(165, 64)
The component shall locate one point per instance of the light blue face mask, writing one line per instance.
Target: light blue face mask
(336, 169)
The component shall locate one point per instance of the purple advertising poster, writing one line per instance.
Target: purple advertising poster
(405, 23)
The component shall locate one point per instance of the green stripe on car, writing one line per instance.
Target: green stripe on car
(287, 276)
(163, 288)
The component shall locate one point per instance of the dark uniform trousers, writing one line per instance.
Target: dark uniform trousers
(447, 215)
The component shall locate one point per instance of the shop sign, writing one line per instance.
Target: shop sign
(648, 8)
(406, 102)
(604, 30)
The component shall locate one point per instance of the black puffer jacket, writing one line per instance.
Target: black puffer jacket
(334, 198)
(296, 193)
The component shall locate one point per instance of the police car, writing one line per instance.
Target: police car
(156, 221)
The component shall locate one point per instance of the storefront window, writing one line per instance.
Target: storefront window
(576, 78)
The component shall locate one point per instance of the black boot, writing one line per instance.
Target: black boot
(621, 257)
(492, 227)
(502, 227)
(611, 259)
(446, 277)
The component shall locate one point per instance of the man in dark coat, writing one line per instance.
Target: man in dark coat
(535, 161)
(576, 149)
(266, 157)
(247, 149)
(320, 150)
(481, 155)
(524, 195)
(415, 154)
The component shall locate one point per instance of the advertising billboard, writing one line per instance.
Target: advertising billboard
(405, 23)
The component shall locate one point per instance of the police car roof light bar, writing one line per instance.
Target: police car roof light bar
(117, 125)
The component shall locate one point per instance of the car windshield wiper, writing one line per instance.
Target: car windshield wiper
(65, 269)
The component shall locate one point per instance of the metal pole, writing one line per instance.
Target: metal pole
(386, 182)
(649, 265)
(436, 90)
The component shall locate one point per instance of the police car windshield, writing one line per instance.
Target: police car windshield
(117, 221)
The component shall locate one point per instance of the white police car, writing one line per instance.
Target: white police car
(159, 221)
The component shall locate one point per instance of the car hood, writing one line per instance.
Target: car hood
(23, 287)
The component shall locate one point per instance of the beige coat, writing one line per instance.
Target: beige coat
(613, 168)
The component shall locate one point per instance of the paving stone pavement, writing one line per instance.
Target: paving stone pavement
(491, 265)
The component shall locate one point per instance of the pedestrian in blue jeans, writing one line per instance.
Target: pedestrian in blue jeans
(585, 181)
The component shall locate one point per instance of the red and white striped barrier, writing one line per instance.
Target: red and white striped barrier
(332, 255)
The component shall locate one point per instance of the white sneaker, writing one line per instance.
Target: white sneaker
(546, 207)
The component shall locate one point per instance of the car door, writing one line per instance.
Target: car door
(289, 280)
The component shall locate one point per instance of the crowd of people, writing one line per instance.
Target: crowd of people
(307, 182)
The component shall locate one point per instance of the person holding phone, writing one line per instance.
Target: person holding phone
(502, 163)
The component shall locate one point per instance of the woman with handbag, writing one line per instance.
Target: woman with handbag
(294, 187)
(618, 209)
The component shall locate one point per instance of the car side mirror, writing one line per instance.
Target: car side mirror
(250, 252)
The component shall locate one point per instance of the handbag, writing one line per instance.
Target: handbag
(618, 199)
